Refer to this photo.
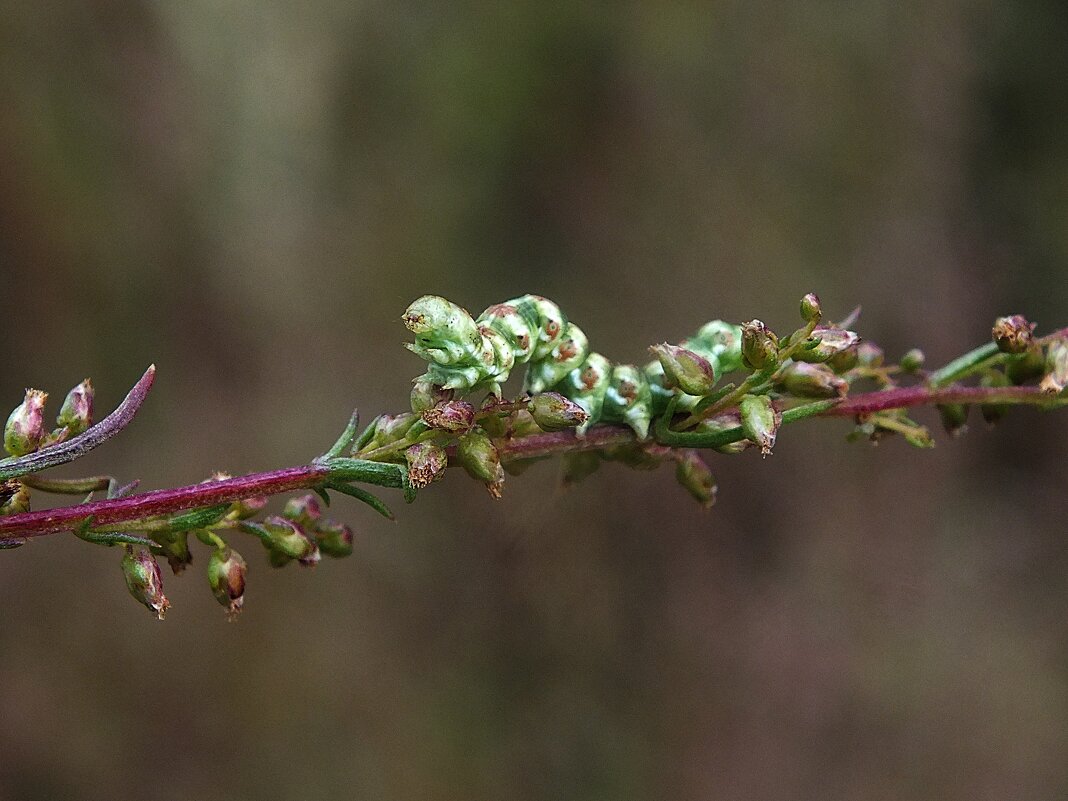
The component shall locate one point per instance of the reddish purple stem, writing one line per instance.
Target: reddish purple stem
(161, 502)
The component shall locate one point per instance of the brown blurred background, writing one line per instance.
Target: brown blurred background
(249, 194)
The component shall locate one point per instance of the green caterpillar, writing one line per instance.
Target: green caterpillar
(468, 354)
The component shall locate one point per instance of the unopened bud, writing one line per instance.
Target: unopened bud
(303, 510)
(760, 346)
(25, 427)
(1026, 366)
(478, 456)
(288, 541)
(553, 412)
(175, 546)
(689, 371)
(426, 395)
(1013, 334)
(825, 343)
(844, 361)
(426, 463)
(694, 475)
(454, 417)
(954, 418)
(1056, 379)
(812, 381)
(993, 412)
(248, 507)
(76, 414)
(869, 354)
(335, 539)
(14, 498)
(912, 361)
(226, 577)
(144, 581)
(578, 466)
(811, 311)
(760, 421)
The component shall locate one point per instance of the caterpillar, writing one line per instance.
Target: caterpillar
(468, 354)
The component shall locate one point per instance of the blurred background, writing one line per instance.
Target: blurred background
(249, 194)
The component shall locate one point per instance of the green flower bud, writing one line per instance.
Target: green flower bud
(954, 418)
(454, 417)
(478, 456)
(811, 312)
(25, 427)
(303, 510)
(812, 381)
(912, 361)
(869, 354)
(247, 507)
(1013, 334)
(723, 422)
(426, 395)
(553, 412)
(426, 463)
(144, 581)
(993, 412)
(760, 421)
(1021, 368)
(760, 346)
(689, 371)
(829, 342)
(335, 539)
(392, 427)
(226, 577)
(696, 478)
(1056, 379)
(288, 541)
(445, 333)
(76, 414)
(579, 466)
(175, 546)
(629, 398)
(845, 361)
(14, 498)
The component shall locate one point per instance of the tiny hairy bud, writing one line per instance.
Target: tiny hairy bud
(76, 414)
(1013, 333)
(954, 418)
(811, 311)
(426, 463)
(14, 498)
(1056, 378)
(689, 371)
(760, 346)
(25, 427)
(812, 381)
(226, 577)
(478, 456)
(454, 416)
(288, 541)
(303, 510)
(144, 581)
(829, 342)
(426, 395)
(760, 421)
(335, 539)
(693, 474)
(553, 412)
(912, 361)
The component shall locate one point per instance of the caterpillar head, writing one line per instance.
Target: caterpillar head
(445, 333)
(570, 351)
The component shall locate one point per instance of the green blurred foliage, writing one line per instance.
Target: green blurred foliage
(250, 194)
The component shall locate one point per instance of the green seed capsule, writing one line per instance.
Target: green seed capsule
(760, 421)
(144, 581)
(226, 577)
